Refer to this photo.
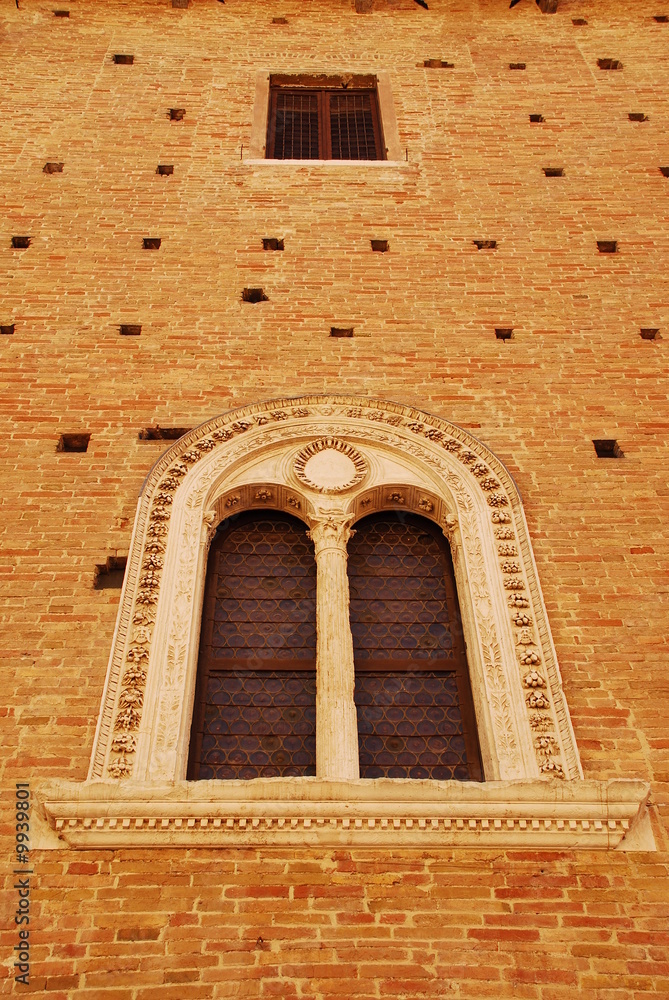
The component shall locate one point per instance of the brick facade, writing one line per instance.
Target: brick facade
(260, 924)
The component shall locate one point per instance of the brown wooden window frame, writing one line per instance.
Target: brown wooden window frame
(323, 97)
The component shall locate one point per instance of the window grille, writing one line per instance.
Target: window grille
(323, 125)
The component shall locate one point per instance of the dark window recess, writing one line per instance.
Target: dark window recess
(177, 114)
(151, 243)
(21, 242)
(504, 332)
(637, 116)
(159, 433)
(254, 295)
(485, 244)
(255, 700)
(123, 60)
(7, 329)
(578, 21)
(608, 448)
(109, 575)
(412, 692)
(61, 13)
(664, 171)
(73, 442)
(650, 333)
(607, 246)
(341, 331)
(165, 169)
(271, 243)
(517, 65)
(553, 171)
(609, 64)
(661, 18)
(323, 125)
(536, 119)
(438, 64)
(53, 168)
(380, 246)
(130, 329)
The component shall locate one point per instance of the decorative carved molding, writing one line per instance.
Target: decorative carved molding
(463, 487)
(377, 813)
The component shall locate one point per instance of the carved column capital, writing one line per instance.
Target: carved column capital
(330, 529)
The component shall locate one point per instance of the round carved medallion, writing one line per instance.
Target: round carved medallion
(330, 466)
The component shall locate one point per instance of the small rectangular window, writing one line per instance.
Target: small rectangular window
(323, 124)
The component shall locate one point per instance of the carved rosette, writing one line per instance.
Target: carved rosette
(330, 465)
(129, 675)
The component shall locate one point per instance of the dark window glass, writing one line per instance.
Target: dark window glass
(255, 704)
(413, 697)
(308, 124)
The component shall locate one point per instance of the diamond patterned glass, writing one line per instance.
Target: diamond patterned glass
(256, 700)
(412, 693)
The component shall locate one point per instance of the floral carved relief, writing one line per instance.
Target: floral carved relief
(451, 457)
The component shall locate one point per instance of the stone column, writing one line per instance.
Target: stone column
(336, 718)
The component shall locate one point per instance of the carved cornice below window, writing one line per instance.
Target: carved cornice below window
(379, 813)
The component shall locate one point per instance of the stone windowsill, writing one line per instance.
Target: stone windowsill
(542, 814)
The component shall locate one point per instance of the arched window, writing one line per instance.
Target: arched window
(332, 461)
(255, 702)
(412, 689)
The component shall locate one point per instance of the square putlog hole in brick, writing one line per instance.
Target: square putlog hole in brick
(438, 64)
(21, 242)
(608, 448)
(609, 64)
(121, 59)
(181, 4)
(177, 114)
(7, 330)
(504, 332)
(537, 119)
(254, 295)
(547, 6)
(165, 169)
(661, 18)
(553, 171)
(51, 167)
(109, 574)
(637, 116)
(271, 243)
(151, 243)
(279, 20)
(341, 331)
(61, 13)
(664, 171)
(380, 246)
(130, 329)
(578, 21)
(73, 442)
(485, 244)
(159, 433)
(517, 65)
(607, 246)
(650, 333)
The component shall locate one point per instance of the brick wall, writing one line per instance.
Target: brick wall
(429, 924)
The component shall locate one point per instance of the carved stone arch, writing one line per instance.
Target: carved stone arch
(385, 454)
(330, 460)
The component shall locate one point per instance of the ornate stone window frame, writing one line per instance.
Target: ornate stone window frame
(330, 460)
